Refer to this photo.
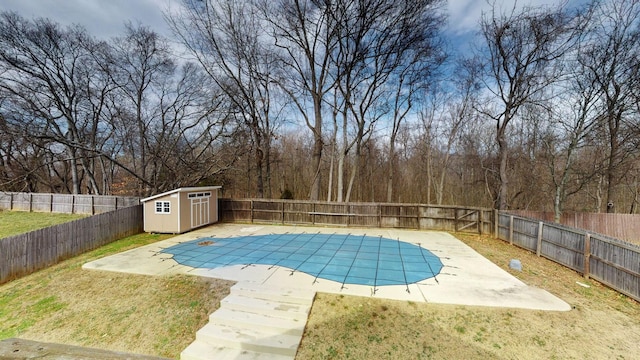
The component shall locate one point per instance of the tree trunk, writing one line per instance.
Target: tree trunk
(316, 157)
(503, 154)
(260, 172)
(429, 174)
(89, 171)
(611, 169)
(267, 170)
(354, 172)
(75, 179)
(557, 205)
(340, 190)
(330, 180)
(599, 194)
(392, 151)
(343, 156)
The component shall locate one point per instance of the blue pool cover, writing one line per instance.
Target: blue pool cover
(348, 259)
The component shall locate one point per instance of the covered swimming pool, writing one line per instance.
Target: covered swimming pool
(453, 272)
(343, 258)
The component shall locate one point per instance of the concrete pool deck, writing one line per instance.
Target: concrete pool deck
(467, 278)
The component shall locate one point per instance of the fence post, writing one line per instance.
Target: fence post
(496, 223)
(251, 206)
(511, 230)
(480, 221)
(30, 202)
(11, 201)
(283, 203)
(313, 217)
(51, 203)
(587, 255)
(455, 220)
(93, 210)
(539, 246)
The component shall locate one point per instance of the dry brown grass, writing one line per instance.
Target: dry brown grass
(114, 311)
(160, 315)
(602, 325)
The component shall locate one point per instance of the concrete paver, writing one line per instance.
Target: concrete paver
(467, 278)
(265, 314)
(253, 322)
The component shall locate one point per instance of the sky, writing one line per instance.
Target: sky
(102, 18)
(105, 18)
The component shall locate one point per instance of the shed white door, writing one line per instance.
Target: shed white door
(199, 211)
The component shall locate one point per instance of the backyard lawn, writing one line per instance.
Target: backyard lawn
(601, 325)
(114, 311)
(160, 315)
(19, 222)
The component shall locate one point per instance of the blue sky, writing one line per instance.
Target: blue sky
(105, 18)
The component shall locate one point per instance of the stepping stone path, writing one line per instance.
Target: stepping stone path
(253, 322)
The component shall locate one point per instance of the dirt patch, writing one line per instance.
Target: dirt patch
(602, 325)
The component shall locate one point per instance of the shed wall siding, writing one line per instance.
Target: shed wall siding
(161, 223)
(185, 212)
(180, 218)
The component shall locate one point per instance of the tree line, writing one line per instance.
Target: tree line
(333, 100)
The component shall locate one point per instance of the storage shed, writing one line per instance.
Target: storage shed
(181, 210)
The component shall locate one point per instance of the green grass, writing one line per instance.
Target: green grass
(155, 315)
(20, 222)
(21, 306)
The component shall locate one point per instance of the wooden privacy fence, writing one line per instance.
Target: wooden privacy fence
(619, 226)
(26, 253)
(381, 215)
(64, 203)
(612, 262)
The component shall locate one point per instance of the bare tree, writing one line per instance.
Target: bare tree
(418, 59)
(82, 110)
(573, 117)
(304, 31)
(141, 63)
(23, 163)
(188, 144)
(386, 54)
(226, 38)
(610, 56)
(521, 47)
(444, 118)
(45, 70)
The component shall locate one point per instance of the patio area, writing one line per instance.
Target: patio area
(421, 266)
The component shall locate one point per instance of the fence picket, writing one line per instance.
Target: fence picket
(618, 226)
(64, 203)
(384, 215)
(25, 253)
(612, 262)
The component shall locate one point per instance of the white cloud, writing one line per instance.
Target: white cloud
(102, 18)
(105, 18)
(464, 15)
